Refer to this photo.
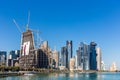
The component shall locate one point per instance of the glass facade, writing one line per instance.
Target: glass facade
(93, 61)
(3, 57)
(64, 57)
(83, 56)
(69, 50)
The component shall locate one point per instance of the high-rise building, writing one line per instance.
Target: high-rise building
(31, 56)
(17, 53)
(93, 55)
(83, 56)
(3, 58)
(69, 47)
(14, 57)
(78, 59)
(55, 59)
(44, 56)
(59, 59)
(76, 62)
(64, 57)
(27, 53)
(98, 51)
(14, 54)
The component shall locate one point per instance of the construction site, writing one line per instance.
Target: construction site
(35, 53)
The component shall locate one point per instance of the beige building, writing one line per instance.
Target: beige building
(72, 64)
(98, 51)
(55, 58)
(31, 57)
(27, 59)
(46, 56)
(113, 67)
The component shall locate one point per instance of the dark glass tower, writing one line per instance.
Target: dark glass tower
(93, 61)
(64, 57)
(69, 48)
(66, 54)
(70, 51)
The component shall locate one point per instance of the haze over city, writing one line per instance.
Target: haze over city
(79, 21)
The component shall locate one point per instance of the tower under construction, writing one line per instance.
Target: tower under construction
(31, 57)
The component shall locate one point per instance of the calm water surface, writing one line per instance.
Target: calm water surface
(68, 76)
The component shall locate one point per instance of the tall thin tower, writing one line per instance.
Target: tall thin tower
(69, 50)
(98, 51)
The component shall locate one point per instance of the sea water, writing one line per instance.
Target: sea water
(68, 76)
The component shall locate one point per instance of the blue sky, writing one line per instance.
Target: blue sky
(61, 20)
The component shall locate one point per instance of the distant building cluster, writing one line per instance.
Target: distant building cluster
(13, 58)
(87, 57)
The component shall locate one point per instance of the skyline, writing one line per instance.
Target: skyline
(79, 21)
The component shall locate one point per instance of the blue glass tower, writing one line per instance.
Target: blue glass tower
(93, 61)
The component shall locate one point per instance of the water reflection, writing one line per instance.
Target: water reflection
(67, 76)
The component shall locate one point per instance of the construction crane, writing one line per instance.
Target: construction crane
(17, 26)
(27, 25)
(28, 21)
(39, 39)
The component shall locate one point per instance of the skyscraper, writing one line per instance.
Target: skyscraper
(14, 54)
(64, 57)
(55, 59)
(44, 56)
(78, 60)
(69, 47)
(98, 51)
(93, 61)
(83, 56)
(13, 57)
(27, 53)
(3, 57)
(31, 56)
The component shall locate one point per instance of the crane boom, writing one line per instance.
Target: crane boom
(17, 25)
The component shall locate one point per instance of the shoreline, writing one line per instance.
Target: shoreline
(20, 73)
